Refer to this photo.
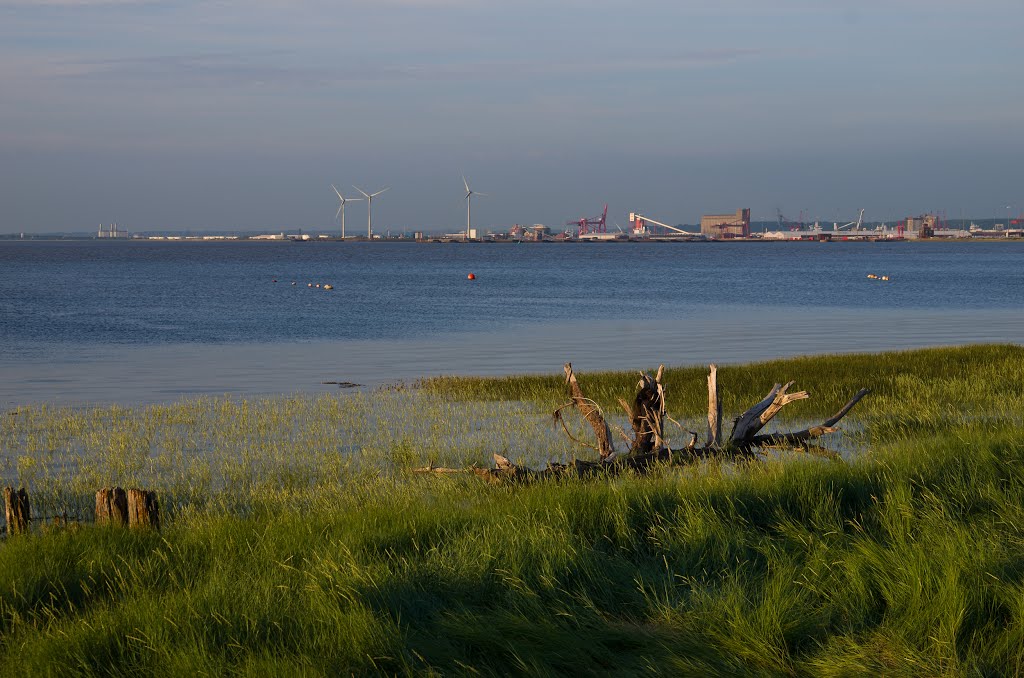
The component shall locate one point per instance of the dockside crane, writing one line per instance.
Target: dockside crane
(855, 224)
(787, 225)
(585, 225)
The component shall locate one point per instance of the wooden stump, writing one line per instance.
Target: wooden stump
(112, 507)
(143, 510)
(647, 415)
(17, 510)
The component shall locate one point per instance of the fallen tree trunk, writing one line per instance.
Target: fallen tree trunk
(649, 445)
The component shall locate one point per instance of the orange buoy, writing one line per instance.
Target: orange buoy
(470, 277)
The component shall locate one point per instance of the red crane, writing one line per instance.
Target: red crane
(595, 225)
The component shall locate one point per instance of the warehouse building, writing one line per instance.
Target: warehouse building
(726, 225)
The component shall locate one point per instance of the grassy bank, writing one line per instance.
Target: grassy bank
(906, 560)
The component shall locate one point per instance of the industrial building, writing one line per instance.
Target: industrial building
(924, 226)
(112, 231)
(726, 225)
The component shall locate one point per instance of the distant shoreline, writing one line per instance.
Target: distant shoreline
(455, 241)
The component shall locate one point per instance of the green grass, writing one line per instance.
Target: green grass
(988, 372)
(906, 560)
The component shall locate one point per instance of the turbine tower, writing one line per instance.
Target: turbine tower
(469, 203)
(341, 209)
(369, 204)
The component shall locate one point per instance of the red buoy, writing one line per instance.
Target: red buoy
(470, 277)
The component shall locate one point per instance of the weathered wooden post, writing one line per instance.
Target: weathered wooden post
(17, 510)
(714, 409)
(112, 506)
(143, 509)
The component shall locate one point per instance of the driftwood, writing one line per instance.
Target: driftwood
(649, 445)
(589, 410)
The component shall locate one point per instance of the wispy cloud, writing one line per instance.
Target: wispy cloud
(76, 3)
(279, 68)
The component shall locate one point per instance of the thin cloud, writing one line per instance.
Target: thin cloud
(225, 69)
(76, 3)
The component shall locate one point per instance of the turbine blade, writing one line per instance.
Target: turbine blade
(361, 190)
(466, 184)
(337, 193)
(338, 213)
(478, 193)
(379, 192)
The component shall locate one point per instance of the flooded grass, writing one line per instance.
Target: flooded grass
(227, 449)
(298, 542)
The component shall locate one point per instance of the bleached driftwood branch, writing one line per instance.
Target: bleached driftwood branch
(649, 445)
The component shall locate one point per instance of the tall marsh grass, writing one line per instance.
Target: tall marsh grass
(980, 375)
(225, 454)
(301, 545)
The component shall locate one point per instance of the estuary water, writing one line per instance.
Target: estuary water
(145, 321)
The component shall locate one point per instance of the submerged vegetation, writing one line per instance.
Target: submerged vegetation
(298, 542)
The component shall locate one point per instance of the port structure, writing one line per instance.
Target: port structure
(586, 225)
(724, 226)
(639, 221)
(787, 225)
(856, 224)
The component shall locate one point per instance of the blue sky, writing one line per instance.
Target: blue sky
(239, 115)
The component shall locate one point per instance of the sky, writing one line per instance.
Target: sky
(226, 115)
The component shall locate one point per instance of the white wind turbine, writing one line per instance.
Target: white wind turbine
(341, 208)
(369, 204)
(469, 203)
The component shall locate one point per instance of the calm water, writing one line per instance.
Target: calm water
(149, 321)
